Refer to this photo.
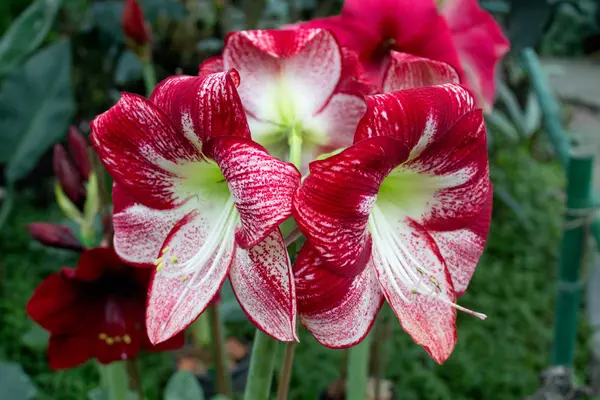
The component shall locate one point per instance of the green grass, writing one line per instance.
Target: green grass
(499, 358)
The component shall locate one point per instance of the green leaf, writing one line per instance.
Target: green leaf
(183, 385)
(36, 338)
(129, 68)
(36, 107)
(14, 382)
(26, 34)
(101, 394)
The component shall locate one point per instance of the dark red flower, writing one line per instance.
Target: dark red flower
(79, 149)
(134, 23)
(54, 235)
(96, 310)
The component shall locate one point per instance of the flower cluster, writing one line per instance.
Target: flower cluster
(378, 115)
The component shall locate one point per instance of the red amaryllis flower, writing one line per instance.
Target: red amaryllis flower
(403, 214)
(73, 170)
(296, 82)
(95, 311)
(460, 34)
(134, 23)
(196, 196)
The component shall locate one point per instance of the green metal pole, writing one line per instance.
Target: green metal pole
(579, 184)
(551, 118)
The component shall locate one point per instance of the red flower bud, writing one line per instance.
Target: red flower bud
(68, 175)
(134, 23)
(78, 148)
(54, 235)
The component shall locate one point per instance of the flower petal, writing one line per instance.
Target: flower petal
(262, 280)
(462, 248)
(141, 231)
(95, 263)
(415, 283)
(211, 65)
(414, 116)
(338, 311)
(262, 186)
(333, 203)
(203, 107)
(141, 148)
(118, 335)
(480, 44)
(302, 65)
(55, 305)
(407, 71)
(68, 351)
(338, 121)
(194, 263)
(455, 166)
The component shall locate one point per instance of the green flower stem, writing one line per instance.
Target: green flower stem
(114, 380)
(135, 376)
(286, 371)
(219, 351)
(262, 364)
(295, 143)
(149, 77)
(358, 370)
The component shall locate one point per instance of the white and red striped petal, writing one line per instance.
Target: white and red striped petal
(142, 149)
(141, 231)
(415, 283)
(414, 116)
(462, 248)
(335, 125)
(454, 166)
(304, 66)
(339, 311)
(333, 204)
(262, 280)
(194, 262)
(262, 186)
(203, 107)
(211, 65)
(407, 71)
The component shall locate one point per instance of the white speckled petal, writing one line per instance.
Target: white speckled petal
(262, 280)
(339, 311)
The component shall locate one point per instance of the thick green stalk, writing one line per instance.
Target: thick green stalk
(358, 370)
(135, 376)
(286, 371)
(115, 380)
(262, 364)
(149, 77)
(219, 351)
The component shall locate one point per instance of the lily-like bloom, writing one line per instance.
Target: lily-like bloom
(401, 215)
(198, 198)
(457, 32)
(95, 311)
(296, 84)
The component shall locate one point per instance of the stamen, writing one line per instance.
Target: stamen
(102, 336)
(160, 266)
(127, 339)
(109, 341)
(165, 250)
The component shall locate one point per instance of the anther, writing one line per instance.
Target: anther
(109, 341)
(102, 336)
(158, 261)
(173, 260)
(160, 266)
(127, 339)
(183, 278)
(165, 250)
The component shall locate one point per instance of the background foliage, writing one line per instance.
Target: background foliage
(63, 62)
